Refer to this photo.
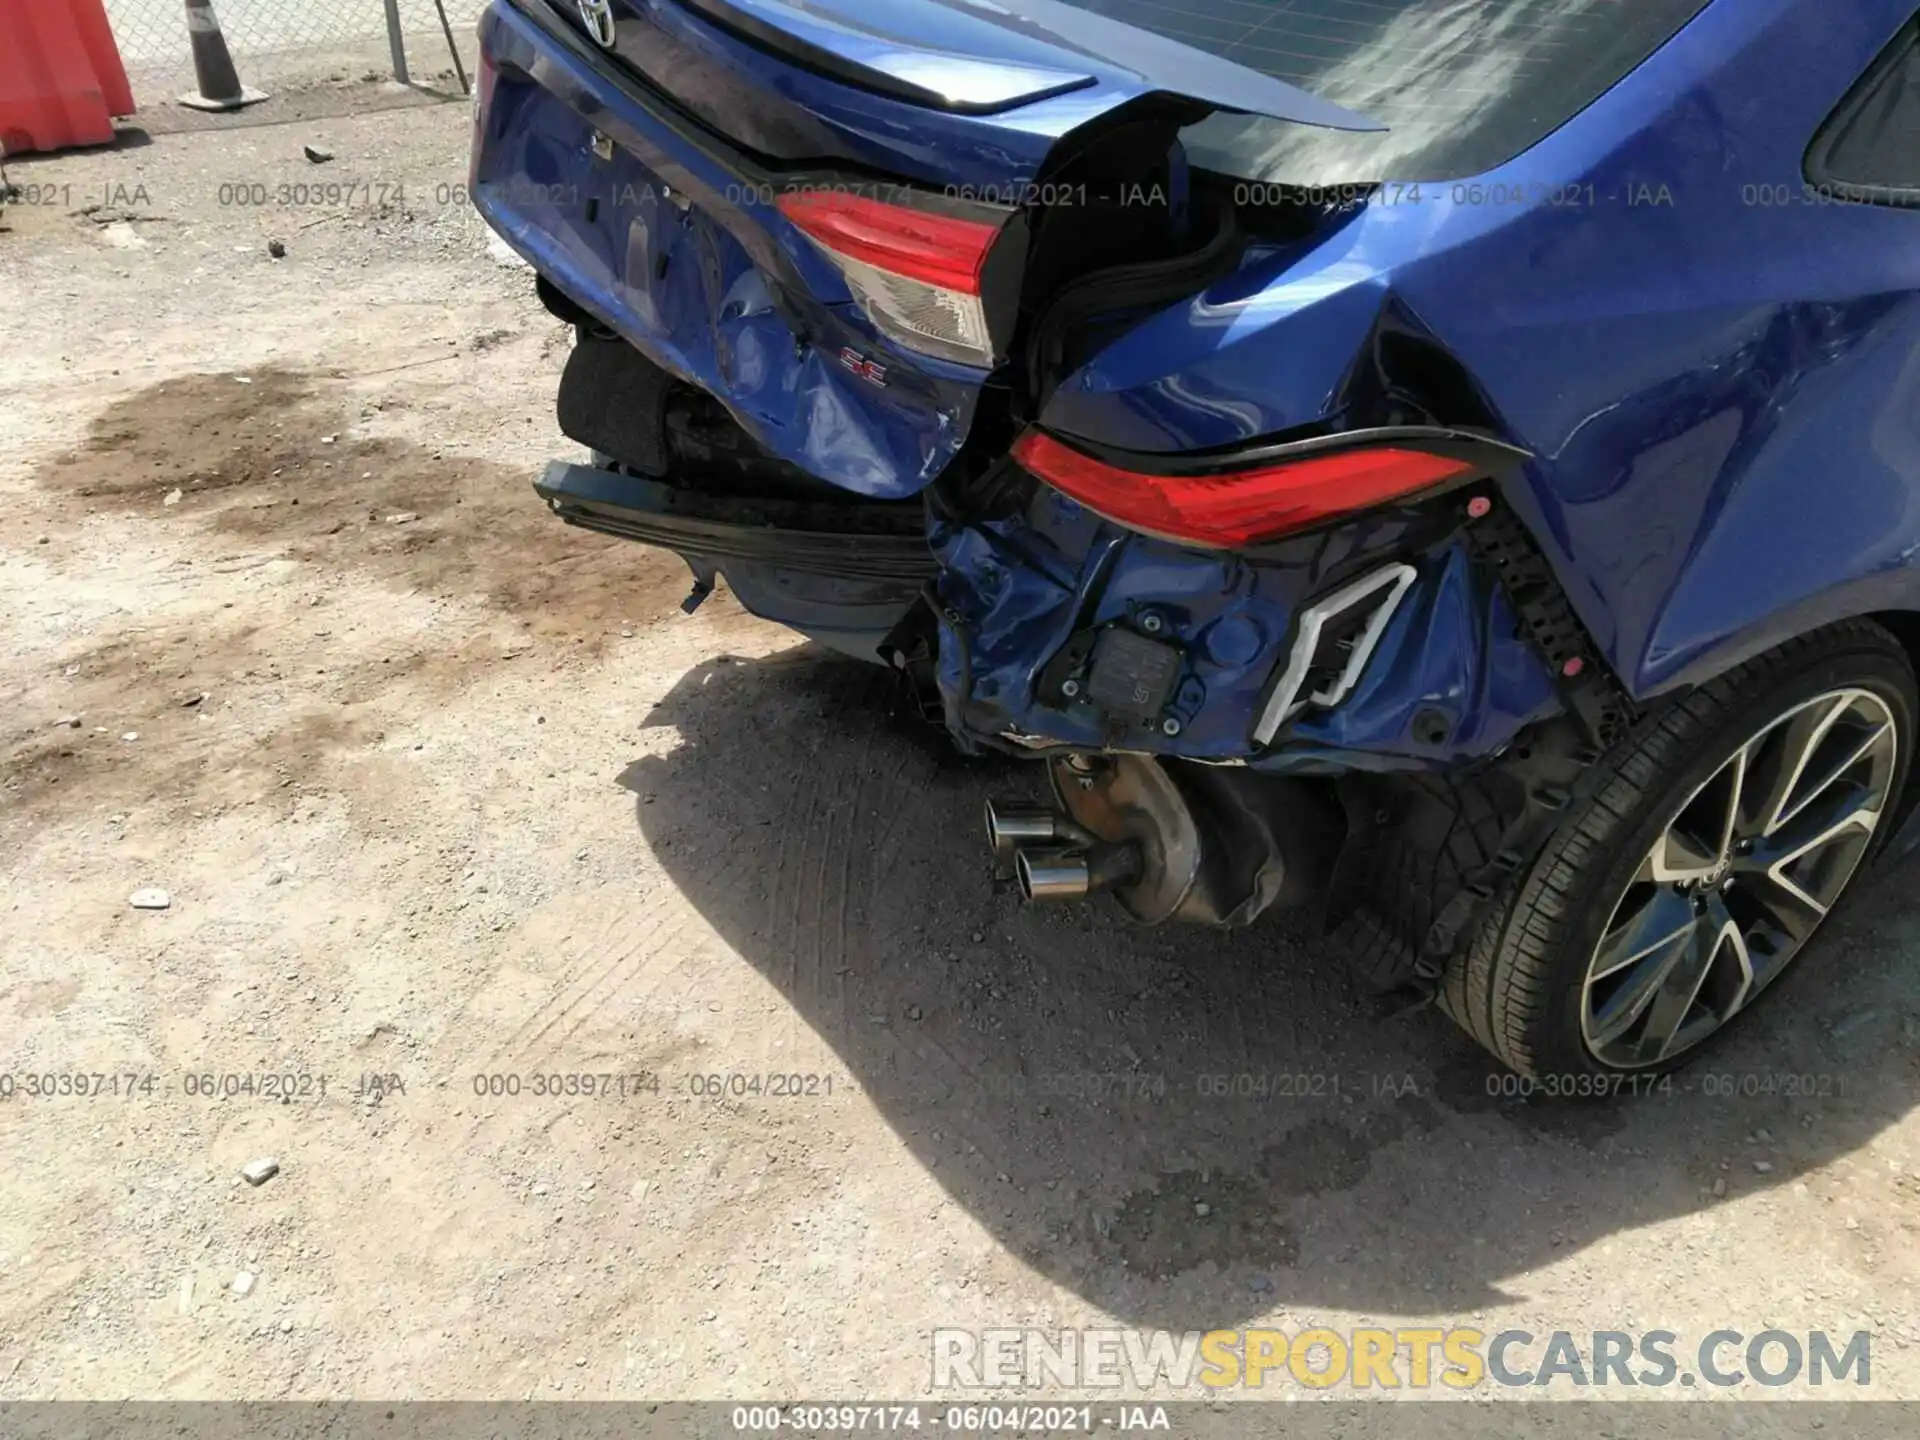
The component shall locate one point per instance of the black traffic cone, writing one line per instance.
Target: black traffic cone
(220, 87)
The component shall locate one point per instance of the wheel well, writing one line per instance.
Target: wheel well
(1904, 626)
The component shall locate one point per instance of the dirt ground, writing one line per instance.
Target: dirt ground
(441, 790)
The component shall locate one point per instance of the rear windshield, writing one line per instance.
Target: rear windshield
(1464, 85)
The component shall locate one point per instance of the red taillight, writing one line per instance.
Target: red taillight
(933, 249)
(916, 273)
(1238, 507)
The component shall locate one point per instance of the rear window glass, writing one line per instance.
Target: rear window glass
(1465, 85)
(1870, 149)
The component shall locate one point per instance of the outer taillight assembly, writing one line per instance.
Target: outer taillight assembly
(1237, 507)
(917, 273)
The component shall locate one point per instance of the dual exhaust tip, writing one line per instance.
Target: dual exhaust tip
(1054, 859)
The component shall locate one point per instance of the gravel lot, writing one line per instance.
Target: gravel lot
(440, 791)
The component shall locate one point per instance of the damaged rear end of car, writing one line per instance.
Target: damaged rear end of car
(920, 332)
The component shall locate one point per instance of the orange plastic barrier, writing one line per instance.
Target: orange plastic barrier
(61, 80)
(96, 34)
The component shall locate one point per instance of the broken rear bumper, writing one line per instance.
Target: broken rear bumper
(1382, 644)
(1395, 642)
(841, 574)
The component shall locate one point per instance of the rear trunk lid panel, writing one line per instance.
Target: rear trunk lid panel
(871, 50)
(687, 258)
(966, 56)
(643, 178)
(765, 104)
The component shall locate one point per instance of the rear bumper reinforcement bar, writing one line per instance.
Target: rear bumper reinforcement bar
(867, 541)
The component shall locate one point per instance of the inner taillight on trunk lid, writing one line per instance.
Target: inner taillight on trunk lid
(916, 273)
(1233, 508)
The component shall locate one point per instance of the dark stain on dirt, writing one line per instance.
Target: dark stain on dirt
(191, 763)
(280, 464)
(281, 457)
(1322, 1155)
(1189, 1218)
(1470, 1084)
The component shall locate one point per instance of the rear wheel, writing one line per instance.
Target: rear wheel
(1717, 840)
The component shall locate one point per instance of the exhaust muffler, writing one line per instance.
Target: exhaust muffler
(1206, 844)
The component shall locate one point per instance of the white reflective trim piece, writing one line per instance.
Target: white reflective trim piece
(947, 324)
(1286, 701)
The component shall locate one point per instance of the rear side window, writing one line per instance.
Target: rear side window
(1870, 149)
(1465, 85)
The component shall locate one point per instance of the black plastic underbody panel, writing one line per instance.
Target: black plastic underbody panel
(865, 541)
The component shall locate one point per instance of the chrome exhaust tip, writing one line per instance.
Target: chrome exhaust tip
(1011, 828)
(1049, 875)
(1062, 874)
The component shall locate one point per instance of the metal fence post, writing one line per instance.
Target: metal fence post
(397, 43)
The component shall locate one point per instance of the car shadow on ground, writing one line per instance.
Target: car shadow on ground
(1182, 1127)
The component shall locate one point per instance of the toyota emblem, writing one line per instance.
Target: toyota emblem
(597, 16)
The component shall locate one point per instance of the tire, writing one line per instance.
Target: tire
(1520, 986)
(1416, 840)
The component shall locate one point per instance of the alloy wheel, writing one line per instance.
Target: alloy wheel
(1739, 879)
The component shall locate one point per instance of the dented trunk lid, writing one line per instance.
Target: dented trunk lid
(817, 210)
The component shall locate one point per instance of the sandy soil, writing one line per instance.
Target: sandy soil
(441, 791)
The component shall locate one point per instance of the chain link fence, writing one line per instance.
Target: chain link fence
(287, 44)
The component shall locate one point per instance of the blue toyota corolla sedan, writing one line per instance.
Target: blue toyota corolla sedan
(1450, 464)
